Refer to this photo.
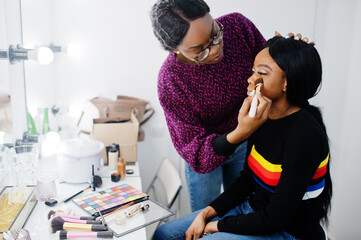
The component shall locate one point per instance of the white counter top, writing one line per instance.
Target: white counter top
(38, 224)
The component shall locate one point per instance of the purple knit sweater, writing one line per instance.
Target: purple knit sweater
(202, 102)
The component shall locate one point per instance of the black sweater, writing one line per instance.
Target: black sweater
(284, 178)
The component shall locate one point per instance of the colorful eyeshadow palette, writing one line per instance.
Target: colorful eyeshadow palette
(110, 199)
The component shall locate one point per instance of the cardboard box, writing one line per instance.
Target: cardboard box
(125, 134)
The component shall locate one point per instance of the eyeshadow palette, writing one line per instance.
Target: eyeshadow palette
(110, 199)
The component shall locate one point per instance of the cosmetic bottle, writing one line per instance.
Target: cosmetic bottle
(113, 159)
(46, 126)
(121, 168)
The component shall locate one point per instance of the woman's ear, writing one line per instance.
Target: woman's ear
(284, 89)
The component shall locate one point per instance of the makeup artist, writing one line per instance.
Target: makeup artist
(201, 87)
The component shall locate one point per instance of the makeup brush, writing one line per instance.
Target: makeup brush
(52, 212)
(58, 223)
(253, 109)
(97, 180)
(52, 202)
(70, 235)
(76, 194)
(72, 220)
(102, 218)
(116, 210)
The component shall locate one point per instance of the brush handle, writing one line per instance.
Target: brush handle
(72, 220)
(76, 194)
(120, 208)
(252, 110)
(70, 235)
(86, 227)
(74, 216)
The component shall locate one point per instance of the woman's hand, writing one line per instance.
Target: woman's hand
(246, 124)
(196, 229)
(211, 227)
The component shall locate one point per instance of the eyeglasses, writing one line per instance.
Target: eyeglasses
(216, 39)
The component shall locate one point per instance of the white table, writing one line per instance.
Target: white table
(38, 224)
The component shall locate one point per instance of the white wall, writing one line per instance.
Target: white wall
(341, 53)
(119, 53)
(37, 22)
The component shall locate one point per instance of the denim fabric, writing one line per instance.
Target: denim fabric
(204, 188)
(175, 230)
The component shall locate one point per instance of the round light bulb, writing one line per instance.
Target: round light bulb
(50, 144)
(53, 138)
(45, 55)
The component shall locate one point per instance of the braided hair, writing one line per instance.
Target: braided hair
(170, 19)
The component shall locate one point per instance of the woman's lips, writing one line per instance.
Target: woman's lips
(249, 91)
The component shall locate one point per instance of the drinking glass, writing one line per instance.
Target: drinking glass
(4, 164)
(45, 188)
(24, 161)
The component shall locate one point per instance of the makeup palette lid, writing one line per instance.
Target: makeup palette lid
(77, 147)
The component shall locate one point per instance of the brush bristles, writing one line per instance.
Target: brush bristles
(59, 235)
(57, 224)
(51, 213)
(62, 234)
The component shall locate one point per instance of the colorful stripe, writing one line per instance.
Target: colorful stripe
(322, 168)
(271, 190)
(268, 174)
(314, 191)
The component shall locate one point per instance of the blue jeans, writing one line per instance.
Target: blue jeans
(175, 230)
(204, 188)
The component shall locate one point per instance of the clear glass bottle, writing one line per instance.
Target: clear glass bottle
(46, 126)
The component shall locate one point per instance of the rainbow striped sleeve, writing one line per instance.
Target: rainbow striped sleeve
(268, 174)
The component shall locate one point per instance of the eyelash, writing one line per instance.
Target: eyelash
(260, 73)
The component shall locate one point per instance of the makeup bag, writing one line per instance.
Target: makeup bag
(122, 107)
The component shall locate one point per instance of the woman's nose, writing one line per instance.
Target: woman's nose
(252, 79)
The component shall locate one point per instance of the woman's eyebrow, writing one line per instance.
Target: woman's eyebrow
(200, 46)
(265, 65)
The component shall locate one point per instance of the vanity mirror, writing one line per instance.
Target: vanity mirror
(12, 85)
(5, 104)
(97, 45)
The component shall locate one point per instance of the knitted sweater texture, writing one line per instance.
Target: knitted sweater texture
(201, 102)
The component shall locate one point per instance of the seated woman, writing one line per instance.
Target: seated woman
(285, 189)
